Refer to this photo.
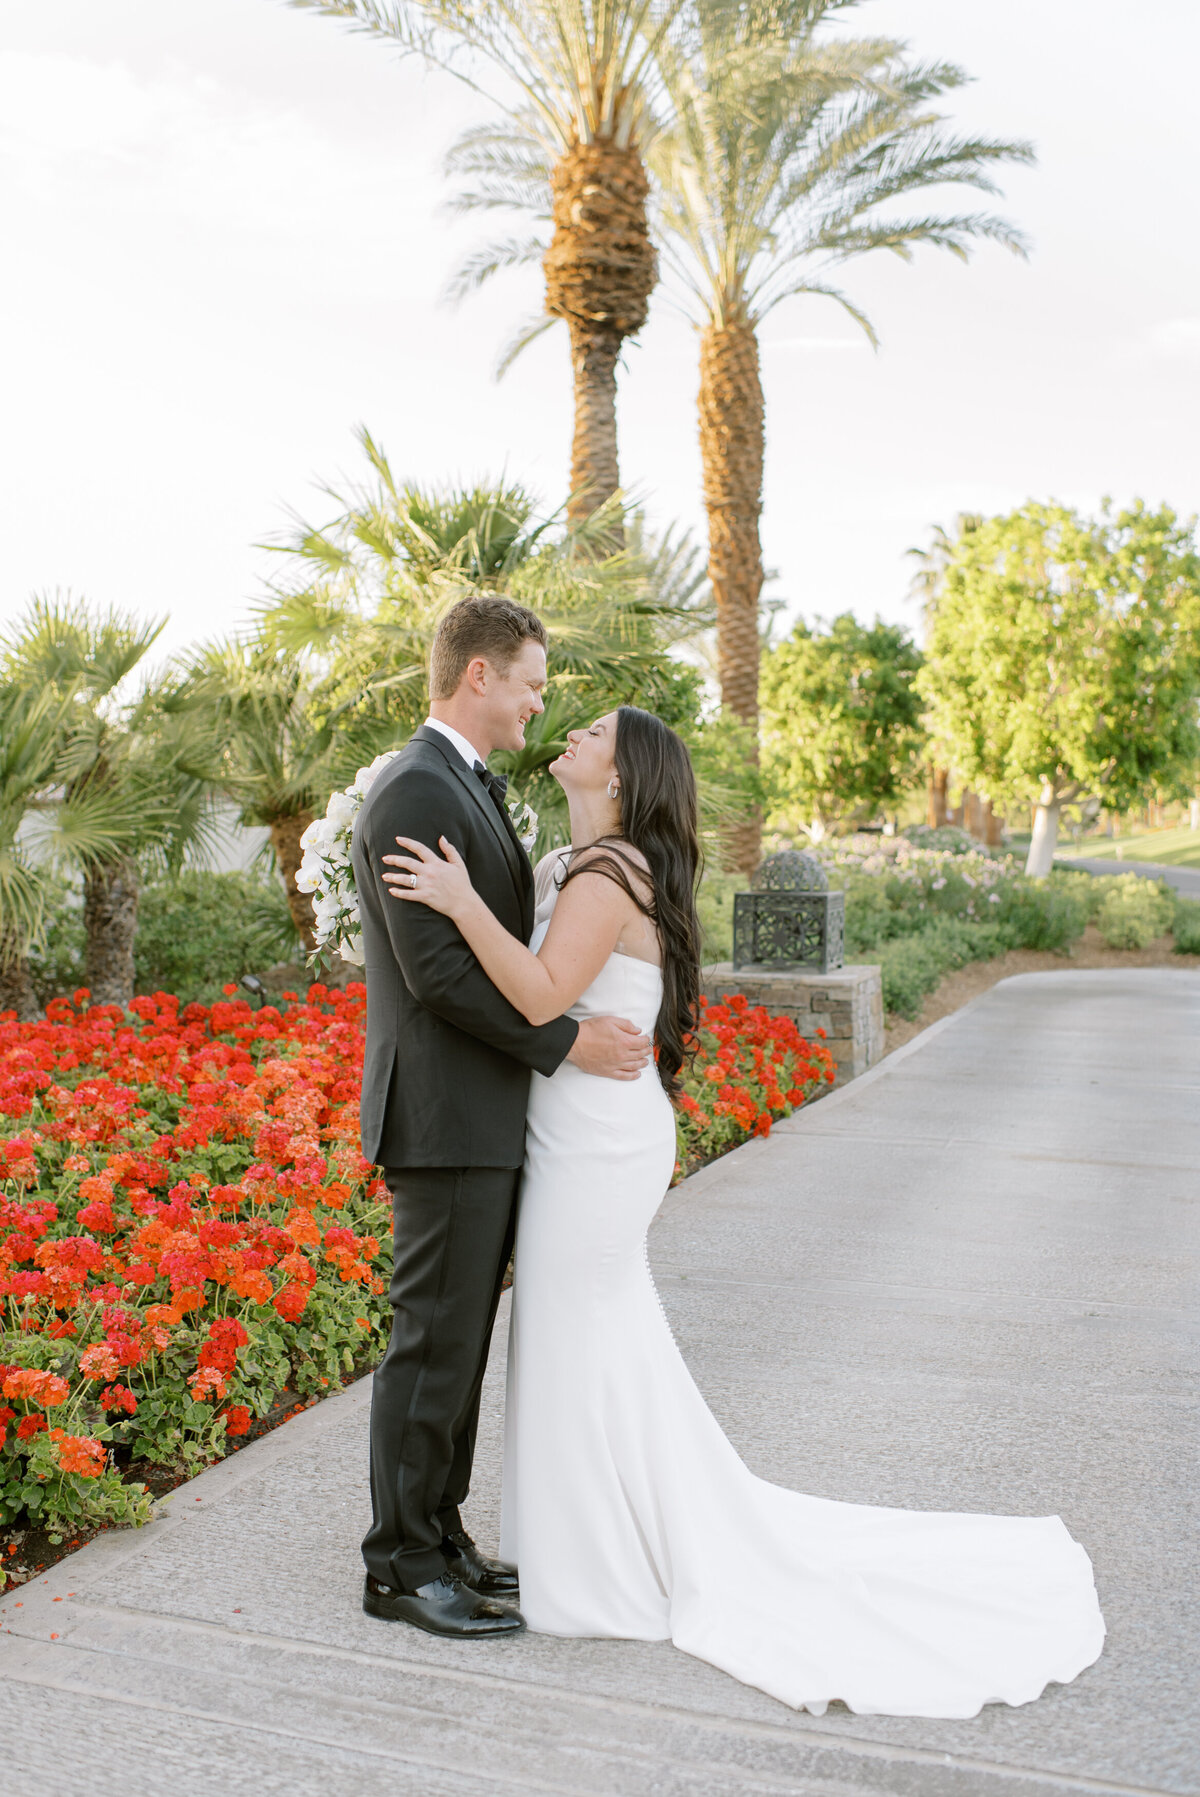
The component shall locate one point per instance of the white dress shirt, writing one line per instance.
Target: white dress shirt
(468, 751)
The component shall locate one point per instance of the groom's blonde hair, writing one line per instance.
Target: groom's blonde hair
(481, 624)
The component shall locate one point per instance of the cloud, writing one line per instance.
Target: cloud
(183, 150)
(1177, 339)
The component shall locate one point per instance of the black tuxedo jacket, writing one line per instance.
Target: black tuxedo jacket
(446, 1072)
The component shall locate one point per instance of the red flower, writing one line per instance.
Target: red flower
(290, 1303)
(237, 1419)
(118, 1397)
(79, 1454)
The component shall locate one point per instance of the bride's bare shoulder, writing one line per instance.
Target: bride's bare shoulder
(614, 855)
(547, 871)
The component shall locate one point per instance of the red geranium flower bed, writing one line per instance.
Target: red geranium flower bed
(750, 1069)
(188, 1231)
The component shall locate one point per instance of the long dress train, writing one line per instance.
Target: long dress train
(629, 1513)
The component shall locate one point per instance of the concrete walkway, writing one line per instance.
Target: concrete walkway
(968, 1280)
(1185, 880)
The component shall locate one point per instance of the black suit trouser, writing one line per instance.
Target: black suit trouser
(454, 1230)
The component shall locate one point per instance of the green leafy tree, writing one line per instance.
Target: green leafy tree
(842, 731)
(125, 792)
(925, 584)
(1063, 660)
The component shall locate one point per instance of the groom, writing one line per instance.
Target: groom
(445, 1087)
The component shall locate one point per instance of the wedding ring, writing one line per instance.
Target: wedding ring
(412, 879)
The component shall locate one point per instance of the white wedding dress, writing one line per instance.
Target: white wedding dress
(629, 1513)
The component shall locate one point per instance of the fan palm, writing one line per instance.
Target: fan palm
(30, 738)
(584, 76)
(270, 746)
(365, 593)
(125, 791)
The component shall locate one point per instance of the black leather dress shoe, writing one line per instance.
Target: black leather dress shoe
(445, 1607)
(491, 1578)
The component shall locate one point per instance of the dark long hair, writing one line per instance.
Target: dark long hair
(658, 818)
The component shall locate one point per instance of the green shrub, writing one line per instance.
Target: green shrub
(56, 962)
(198, 931)
(911, 966)
(714, 902)
(942, 836)
(1186, 926)
(1087, 888)
(1041, 914)
(1134, 911)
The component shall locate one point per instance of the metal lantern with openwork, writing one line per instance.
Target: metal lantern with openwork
(790, 918)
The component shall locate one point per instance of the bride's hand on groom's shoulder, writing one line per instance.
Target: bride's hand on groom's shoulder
(442, 884)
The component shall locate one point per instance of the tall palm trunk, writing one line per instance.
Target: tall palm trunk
(110, 917)
(600, 272)
(731, 452)
(285, 840)
(16, 986)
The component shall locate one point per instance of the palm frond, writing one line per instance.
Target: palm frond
(528, 333)
(492, 259)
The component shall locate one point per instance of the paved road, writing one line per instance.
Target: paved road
(1183, 879)
(968, 1280)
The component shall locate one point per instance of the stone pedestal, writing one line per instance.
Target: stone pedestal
(847, 1005)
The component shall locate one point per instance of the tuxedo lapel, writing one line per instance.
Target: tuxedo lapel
(506, 836)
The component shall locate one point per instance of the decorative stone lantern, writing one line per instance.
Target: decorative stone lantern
(790, 918)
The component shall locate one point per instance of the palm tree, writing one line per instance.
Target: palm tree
(779, 159)
(782, 161)
(30, 739)
(584, 75)
(270, 747)
(363, 596)
(125, 789)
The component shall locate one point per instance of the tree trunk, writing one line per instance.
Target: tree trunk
(285, 840)
(973, 819)
(110, 918)
(1045, 834)
(731, 451)
(939, 783)
(600, 272)
(16, 986)
(594, 472)
(993, 827)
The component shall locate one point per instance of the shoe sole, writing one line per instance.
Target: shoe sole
(382, 1615)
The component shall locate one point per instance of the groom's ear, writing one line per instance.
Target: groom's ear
(476, 674)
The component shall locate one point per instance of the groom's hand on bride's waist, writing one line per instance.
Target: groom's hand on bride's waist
(611, 1047)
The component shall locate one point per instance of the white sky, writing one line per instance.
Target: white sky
(224, 249)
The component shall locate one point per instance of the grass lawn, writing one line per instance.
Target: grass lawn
(1174, 848)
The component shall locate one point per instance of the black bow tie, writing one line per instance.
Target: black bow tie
(497, 784)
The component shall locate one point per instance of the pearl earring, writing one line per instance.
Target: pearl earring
(614, 790)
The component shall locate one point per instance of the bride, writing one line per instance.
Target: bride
(625, 1507)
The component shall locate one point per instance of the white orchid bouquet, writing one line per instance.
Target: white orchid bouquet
(328, 873)
(326, 870)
